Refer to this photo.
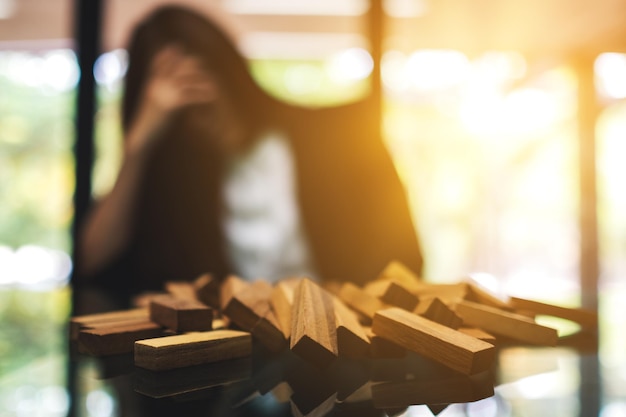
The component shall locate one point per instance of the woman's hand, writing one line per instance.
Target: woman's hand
(176, 80)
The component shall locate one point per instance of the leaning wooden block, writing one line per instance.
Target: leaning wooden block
(432, 340)
(352, 341)
(281, 301)
(313, 325)
(505, 323)
(359, 300)
(392, 293)
(586, 318)
(249, 308)
(434, 309)
(192, 349)
(112, 318)
(116, 340)
(231, 285)
(181, 314)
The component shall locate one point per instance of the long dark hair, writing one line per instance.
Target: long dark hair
(204, 38)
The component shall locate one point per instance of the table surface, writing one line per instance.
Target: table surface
(567, 380)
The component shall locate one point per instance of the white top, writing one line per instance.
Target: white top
(264, 235)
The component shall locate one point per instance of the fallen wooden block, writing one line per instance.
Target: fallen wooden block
(116, 340)
(434, 309)
(360, 301)
(112, 318)
(313, 324)
(392, 293)
(448, 293)
(478, 294)
(505, 323)
(249, 308)
(352, 341)
(435, 341)
(586, 318)
(191, 349)
(181, 314)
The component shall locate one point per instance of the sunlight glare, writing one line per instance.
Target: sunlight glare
(610, 69)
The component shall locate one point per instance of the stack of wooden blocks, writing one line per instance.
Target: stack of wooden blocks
(456, 325)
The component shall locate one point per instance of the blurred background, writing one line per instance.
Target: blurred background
(506, 120)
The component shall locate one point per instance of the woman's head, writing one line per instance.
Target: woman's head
(196, 35)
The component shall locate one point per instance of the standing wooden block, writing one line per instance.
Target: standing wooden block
(112, 318)
(281, 301)
(352, 341)
(116, 340)
(432, 340)
(313, 325)
(359, 300)
(192, 349)
(181, 314)
(434, 309)
(207, 290)
(586, 318)
(507, 324)
(392, 293)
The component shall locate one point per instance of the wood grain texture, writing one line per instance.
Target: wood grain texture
(432, 340)
(116, 340)
(478, 334)
(500, 322)
(359, 300)
(313, 324)
(181, 314)
(586, 318)
(190, 349)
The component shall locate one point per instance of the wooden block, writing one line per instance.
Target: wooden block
(481, 295)
(231, 285)
(249, 308)
(398, 272)
(143, 300)
(116, 340)
(586, 318)
(392, 293)
(359, 300)
(313, 325)
(181, 289)
(505, 323)
(207, 290)
(381, 348)
(115, 318)
(435, 341)
(478, 334)
(281, 301)
(434, 309)
(192, 349)
(352, 341)
(181, 314)
(448, 293)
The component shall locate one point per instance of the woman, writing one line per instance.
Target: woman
(220, 177)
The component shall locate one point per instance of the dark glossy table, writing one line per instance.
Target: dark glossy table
(567, 380)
